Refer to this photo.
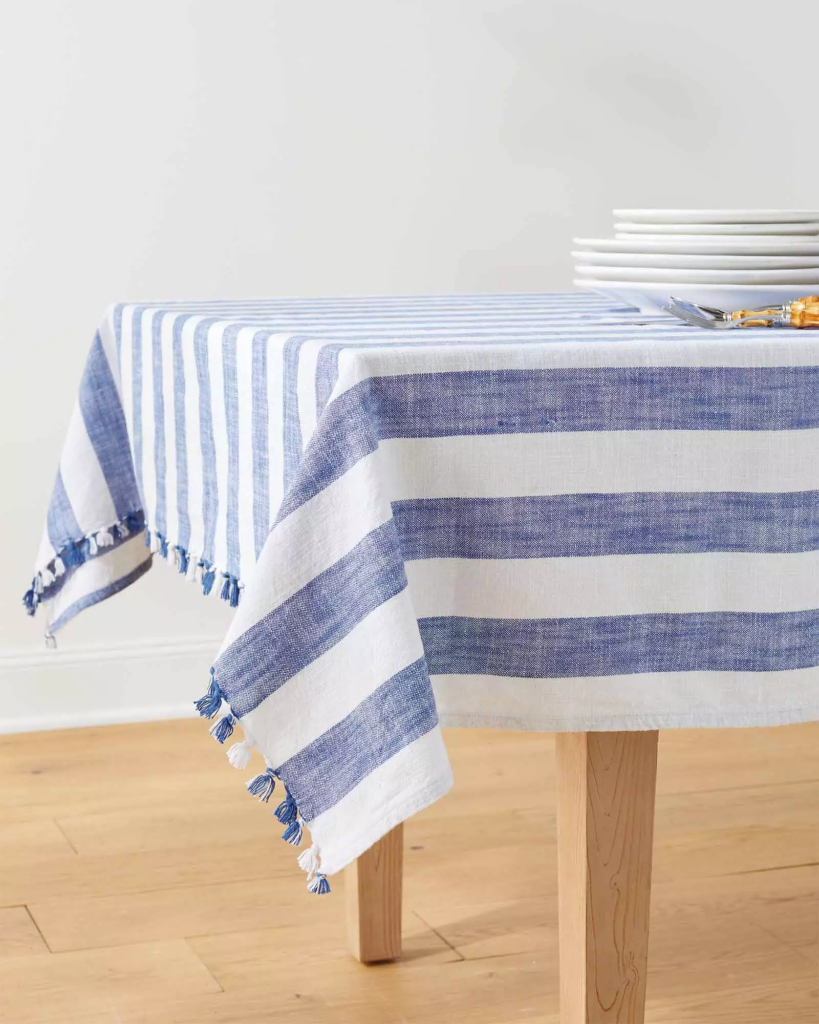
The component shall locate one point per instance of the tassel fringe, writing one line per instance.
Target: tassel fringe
(261, 786)
(77, 552)
(240, 753)
(208, 706)
(223, 729)
(319, 885)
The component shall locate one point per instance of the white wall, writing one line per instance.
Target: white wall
(202, 148)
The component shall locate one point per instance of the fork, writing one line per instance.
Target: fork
(799, 313)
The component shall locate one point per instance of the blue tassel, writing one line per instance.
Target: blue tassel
(208, 706)
(183, 559)
(30, 601)
(263, 785)
(163, 545)
(134, 521)
(72, 555)
(234, 593)
(287, 810)
(225, 595)
(319, 885)
(292, 834)
(208, 578)
(223, 729)
(147, 538)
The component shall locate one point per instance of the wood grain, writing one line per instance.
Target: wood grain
(606, 793)
(177, 892)
(373, 885)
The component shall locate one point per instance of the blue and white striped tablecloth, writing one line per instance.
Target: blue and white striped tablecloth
(528, 511)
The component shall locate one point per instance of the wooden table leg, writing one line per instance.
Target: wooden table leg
(373, 885)
(606, 788)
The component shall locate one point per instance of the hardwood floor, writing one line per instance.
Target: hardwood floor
(140, 883)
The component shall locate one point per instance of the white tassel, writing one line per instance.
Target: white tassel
(240, 753)
(123, 529)
(92, 545)
(59, 566)
(309, 861)
(173, 556)
(190, 575)
(105, 539)
(38, 583)
(48, 577)
(154, 545)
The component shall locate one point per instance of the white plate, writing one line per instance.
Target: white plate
(689, 261)
(807, 279)
(807, 228)
(717, 216)
(651, 297)
(708, 246)
(734, 240)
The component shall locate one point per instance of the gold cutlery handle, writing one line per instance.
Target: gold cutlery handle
(754, 314)
(805, 312)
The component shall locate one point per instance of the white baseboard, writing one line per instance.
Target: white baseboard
(99, 685)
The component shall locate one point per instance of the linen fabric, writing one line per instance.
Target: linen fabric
(538, 511)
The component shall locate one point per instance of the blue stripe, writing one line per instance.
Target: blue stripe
(312, 621)
(136, 393)
(179, 390)
(104, 420)
(160, 461)
(62, 524)
(231, 391)
(595, 399)
(290, 400)
(210, 490)
(622, 644)
(100, 595)
(260, 426)
(567, 525)
(493, 402)
(397, 713)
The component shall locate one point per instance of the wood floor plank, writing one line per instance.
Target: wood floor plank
(18, 934)
(172, 856)
(27, 842)
(48, 988)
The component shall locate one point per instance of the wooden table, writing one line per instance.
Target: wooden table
(606, 790)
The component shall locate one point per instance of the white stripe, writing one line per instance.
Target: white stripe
(148, 421)
(108, 339)
(171, 507)
(412, 779)
(244, 387)
(83, 478)
(306, 388)
(108, 567)
(357, 364)
(296, 552)
(594, 462)
(544, 588)
(217, 407)
(661, 700)
(382, 644)
(275, 421)
(126, 364)
(193, 440)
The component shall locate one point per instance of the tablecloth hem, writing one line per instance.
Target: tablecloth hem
(399, 811)
(635, 723)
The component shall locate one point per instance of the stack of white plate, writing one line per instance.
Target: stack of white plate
(732, 259)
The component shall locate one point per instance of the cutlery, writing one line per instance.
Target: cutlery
(799, 313)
